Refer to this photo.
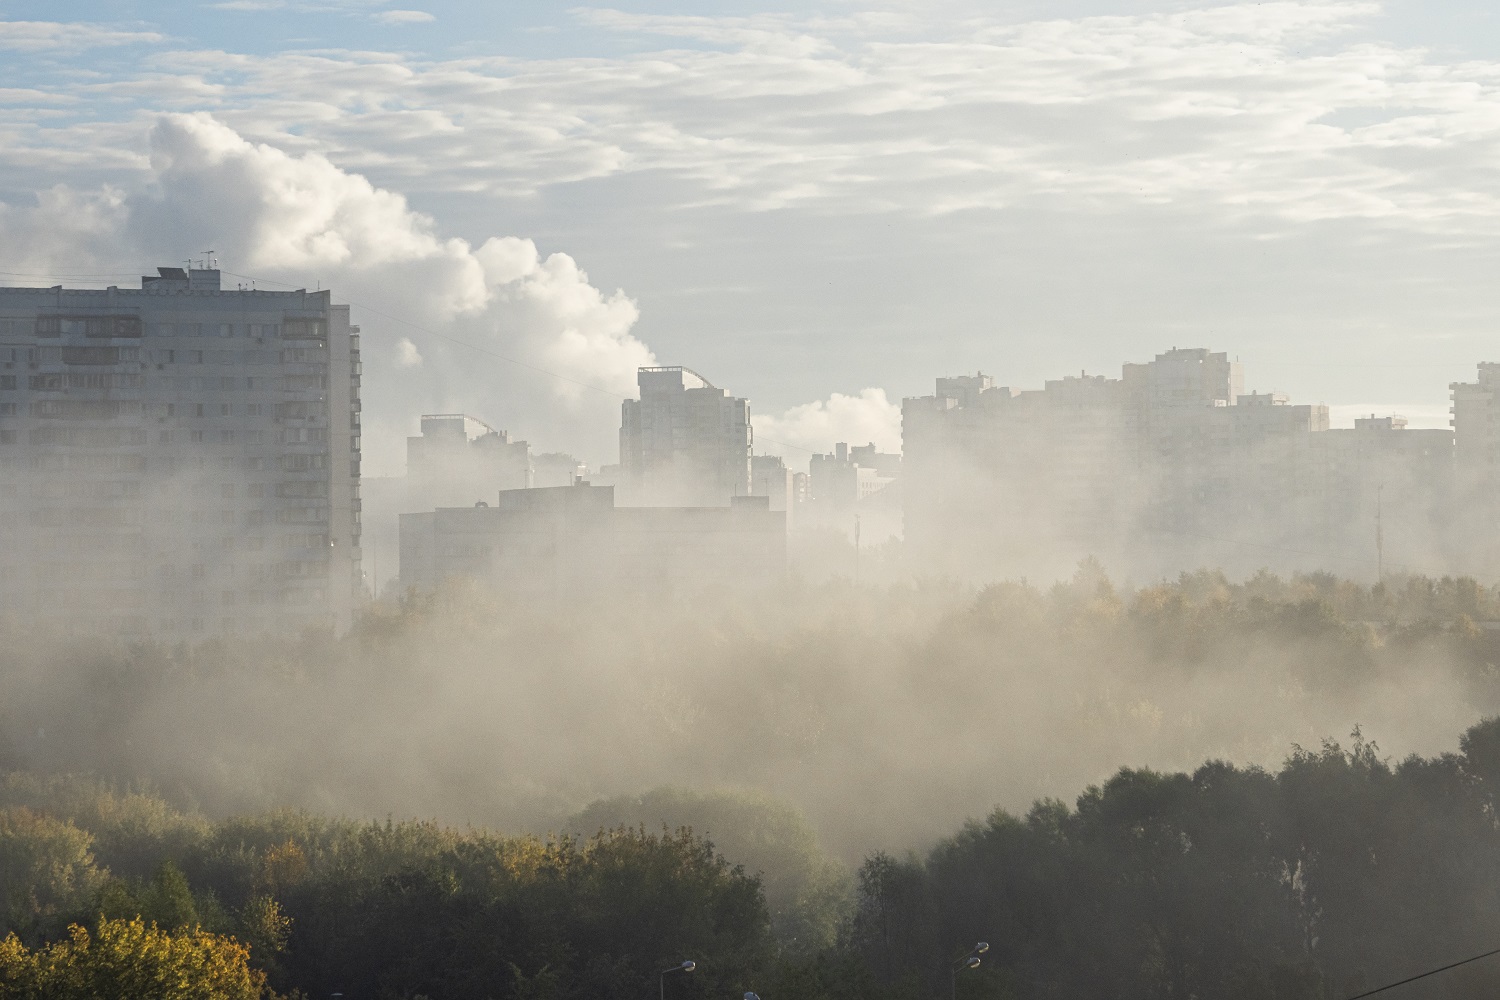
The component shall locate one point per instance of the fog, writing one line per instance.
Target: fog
(886, 713)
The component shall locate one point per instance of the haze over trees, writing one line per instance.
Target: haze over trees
(886, 714)
(1338, 871)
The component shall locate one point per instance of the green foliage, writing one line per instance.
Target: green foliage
(1336, 873)
(47, 870)
(808, 894)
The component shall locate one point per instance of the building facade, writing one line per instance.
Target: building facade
(685, 442)
(178, 460)
(1172, 465)
(570, 541)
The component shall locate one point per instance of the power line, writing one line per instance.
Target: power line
(1422, 975)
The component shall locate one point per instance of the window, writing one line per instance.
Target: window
(7, 381)
(226, 437)
(197, 437)
(7, 409)
(171, 409)
(226, 329)
(197, 409)
(304, 329)
(252, 409)
(223, 409)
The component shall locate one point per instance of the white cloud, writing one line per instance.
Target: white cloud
(1229, 108)
(498, 330)
(1071, 186)
(407, 355)
(815, 427)
(42, 36)
(404, 17)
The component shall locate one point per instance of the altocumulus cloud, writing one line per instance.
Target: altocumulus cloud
(1235, 108)
(404, 17)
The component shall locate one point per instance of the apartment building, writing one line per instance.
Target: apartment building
(178, 460)
(1171, 465)
(685, 442)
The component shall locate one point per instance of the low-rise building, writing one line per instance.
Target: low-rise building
(573, 540)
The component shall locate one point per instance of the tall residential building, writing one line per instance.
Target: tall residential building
(1174, 465)
(1476, 433)
(178, 460)
(685, 442)
(455, 461)
(769, 477)
(458, 459)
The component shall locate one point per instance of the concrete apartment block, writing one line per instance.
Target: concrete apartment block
(178, 460)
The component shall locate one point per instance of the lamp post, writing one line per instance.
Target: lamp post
(969, 961)
(687, 966)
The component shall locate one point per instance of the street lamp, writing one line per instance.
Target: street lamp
(687, 966)
(969, 961)
(751, 996)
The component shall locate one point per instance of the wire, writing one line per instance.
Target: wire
(1423, 975)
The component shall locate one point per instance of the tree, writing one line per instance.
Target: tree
(129, 958)
(47, 870)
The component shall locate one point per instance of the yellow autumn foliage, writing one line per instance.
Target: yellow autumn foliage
(130, 959)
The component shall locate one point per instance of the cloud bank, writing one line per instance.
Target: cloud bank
(865, 418)
(499, 330)
(511, 330)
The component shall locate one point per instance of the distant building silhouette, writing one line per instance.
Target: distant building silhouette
(685, 442)
(1171, 465)
(573, 540)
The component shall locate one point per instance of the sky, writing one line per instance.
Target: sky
(819, 206)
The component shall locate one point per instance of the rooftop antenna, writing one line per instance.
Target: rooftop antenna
(208, 259)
